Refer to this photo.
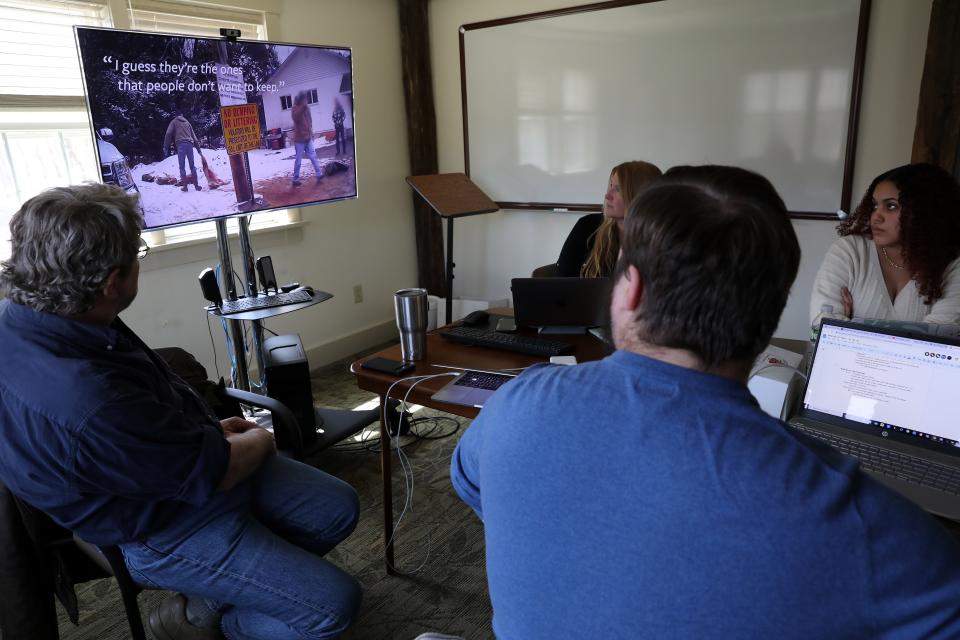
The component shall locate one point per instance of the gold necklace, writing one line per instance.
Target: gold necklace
(890, 261)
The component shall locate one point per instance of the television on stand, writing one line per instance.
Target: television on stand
(205, 128)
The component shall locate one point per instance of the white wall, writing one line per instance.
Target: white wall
(491, 249)
(368, 241)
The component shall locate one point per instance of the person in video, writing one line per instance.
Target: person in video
(651, 493)
(897, 257)
(180, 134)
(338, 116)
(303, 137)
(591, 248)
(102, 436)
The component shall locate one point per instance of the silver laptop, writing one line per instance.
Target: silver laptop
(472, 387)
(561, 305)
(891, 399)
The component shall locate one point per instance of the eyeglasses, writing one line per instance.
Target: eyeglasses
(142, 250)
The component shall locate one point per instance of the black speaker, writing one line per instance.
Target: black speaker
(209, 286)
(288, 380)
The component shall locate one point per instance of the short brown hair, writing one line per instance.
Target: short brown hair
(717, 254)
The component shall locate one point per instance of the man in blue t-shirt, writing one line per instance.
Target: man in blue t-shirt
(647, 495)
(98, 433)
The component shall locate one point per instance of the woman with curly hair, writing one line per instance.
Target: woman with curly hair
(897, 257)
(591, 248)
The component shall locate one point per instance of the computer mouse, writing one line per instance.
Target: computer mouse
(306, 288)
(477, 318)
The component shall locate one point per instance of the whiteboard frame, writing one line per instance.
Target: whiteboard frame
(853, 118)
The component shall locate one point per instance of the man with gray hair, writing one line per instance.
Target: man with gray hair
(99, 434)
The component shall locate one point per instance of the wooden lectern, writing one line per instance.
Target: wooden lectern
(451, 195)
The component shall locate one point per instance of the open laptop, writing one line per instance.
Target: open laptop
(891, 399)
(561, 305)
(472, 387)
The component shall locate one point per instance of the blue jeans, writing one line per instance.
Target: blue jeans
(305, 147)
(185, 152)
(262, 566)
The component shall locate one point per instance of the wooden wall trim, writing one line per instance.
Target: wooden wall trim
(936, 138)
(421, 137)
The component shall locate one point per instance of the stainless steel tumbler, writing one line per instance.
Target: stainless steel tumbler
(411, 307)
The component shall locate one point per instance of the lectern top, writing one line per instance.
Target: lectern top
(452, 194)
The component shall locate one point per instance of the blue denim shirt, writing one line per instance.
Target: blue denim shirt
(99, 434)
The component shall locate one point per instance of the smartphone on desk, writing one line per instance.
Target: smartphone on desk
(388, 366)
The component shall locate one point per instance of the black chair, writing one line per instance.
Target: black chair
(337, 423)
(110, 560)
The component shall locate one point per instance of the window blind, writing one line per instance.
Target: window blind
(38, 54)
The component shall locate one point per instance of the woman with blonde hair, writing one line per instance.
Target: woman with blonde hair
(591, 249)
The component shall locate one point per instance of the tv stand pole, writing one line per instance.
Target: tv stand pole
(242, 379)
(250, 284)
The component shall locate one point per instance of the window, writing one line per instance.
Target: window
(45, 138)
(202, 22)
(286, 102)
(44, 132)
(311, 96)
(38, 56)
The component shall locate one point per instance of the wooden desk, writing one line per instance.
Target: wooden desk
(441, 351)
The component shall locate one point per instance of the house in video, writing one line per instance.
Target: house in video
(325, 77)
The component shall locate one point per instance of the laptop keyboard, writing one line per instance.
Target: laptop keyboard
(481, 380)
(892, 463)
(506, 341)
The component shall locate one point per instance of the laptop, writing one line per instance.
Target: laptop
(890, 398)
(561, 305)
(472, 387)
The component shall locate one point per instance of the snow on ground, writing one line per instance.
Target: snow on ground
(165, 205)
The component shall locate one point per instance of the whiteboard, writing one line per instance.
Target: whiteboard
(553, 101)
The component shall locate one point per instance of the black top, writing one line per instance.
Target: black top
(578, 245)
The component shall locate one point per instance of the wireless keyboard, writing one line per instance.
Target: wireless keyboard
(255, 303)
(506, 341)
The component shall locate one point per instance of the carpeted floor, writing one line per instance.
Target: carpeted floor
(439, 542)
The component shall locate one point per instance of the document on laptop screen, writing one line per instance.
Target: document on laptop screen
(909, 384)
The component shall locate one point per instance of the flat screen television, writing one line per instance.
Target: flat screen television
(205, 128)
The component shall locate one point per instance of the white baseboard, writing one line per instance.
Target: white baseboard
(338, 348)
(343, 346)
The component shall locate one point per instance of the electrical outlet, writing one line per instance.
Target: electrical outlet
(357, 294)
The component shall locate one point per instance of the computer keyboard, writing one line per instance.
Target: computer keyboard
(255, 303)
(506, 341)
(892, 463)
(482, 380)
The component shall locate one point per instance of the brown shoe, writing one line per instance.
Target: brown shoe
(169, 622)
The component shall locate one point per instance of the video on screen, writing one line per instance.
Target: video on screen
(204, 128)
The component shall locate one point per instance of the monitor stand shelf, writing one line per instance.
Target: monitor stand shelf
(269, 312)
(248, 288)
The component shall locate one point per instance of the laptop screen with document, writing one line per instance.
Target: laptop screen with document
(885, 382)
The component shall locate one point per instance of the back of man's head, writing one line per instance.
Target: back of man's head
(717, 256)
(64, 244)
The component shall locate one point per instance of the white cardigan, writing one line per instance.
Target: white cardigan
(852, 262)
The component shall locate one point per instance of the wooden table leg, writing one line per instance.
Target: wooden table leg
(386, 471)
